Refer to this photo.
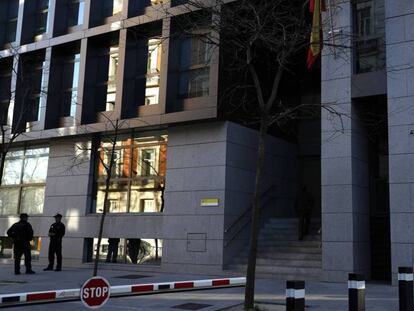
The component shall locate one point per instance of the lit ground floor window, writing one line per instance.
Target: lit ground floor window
(6, 248)
(126, 251)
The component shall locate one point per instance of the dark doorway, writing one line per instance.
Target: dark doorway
(373, 112)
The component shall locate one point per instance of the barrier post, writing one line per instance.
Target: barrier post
(295, 296)
(356, 292)
(405, 288)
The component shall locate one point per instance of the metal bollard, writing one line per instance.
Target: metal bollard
(295, 296)
(356, 292)
(405, 288)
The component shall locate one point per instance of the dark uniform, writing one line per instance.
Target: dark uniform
(56, 233)
(112, 250)
(22, 233)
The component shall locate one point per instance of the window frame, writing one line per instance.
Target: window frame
(132, 178)
(22, 185)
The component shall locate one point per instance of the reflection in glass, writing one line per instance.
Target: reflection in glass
(23, 187)
(153, 72)
(117, 7)
(34, 170)
(75, 11)
(32, 200)
(9, 200)
(117, 197)
(113, 69)
(132, 251)
(138, 175)
(6, 247)
(12, 171)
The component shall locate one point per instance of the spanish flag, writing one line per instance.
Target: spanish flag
(316, 7)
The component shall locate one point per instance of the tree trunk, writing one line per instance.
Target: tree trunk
(101, 226)
(2, 163)
(106, 203)
(251, 264)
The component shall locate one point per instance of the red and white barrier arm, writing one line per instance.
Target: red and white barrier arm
(117, 291)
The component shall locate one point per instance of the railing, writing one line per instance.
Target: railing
(239, 219)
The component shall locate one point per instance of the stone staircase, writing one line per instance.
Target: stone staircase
(281, 255)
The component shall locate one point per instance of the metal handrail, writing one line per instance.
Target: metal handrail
(241, 217)
(246, 211)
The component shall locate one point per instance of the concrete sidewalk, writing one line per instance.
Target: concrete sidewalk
(319, 296)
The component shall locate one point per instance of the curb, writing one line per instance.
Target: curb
(64, 295)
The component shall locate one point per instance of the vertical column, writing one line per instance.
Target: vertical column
(44, 90)
(13, 87)
(400, 92)
(356, 292)
(405, 284)
(51, 18)
(20, 16)
(81, 83)
(295, 296)
(166, 33)
(86, 14)
(343, 176)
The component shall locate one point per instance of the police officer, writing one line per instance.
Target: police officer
(22, 233)
(56, 233)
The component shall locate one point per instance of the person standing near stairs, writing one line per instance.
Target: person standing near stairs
(304, 209)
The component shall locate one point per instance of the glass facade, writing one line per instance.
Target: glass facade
(194, 66)
(128, 251)
(41, 18)
(370, 35)
(6, 248)
(112, 71)
(75, 11)
(137, 176)
(70, 96)
(23, 181)
(11, 8)
(153, 71)
(6, 68)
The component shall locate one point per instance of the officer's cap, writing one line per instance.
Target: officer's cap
(58, 216)
(23, 215)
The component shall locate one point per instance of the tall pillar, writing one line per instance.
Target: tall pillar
(400, 90)
(345, 204)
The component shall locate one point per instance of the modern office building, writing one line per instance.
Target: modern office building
(183, 182)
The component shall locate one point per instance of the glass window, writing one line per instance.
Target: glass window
(369, 35)
(117, 8)
(9, 201)
(153, 71)
(12, 173)
(70, 95)
(10, 23)
(41, 18)
(32, 200)
(194, 83)
(75, 12)
(137, 178)
(194, 63)
(6, 247)
(23, 182)
(112, 71)
(117, 197)
(33, 170)
(128, 250)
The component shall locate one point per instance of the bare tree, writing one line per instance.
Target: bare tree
(262, 44)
